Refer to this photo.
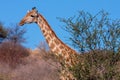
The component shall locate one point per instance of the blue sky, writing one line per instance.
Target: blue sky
(13, 11)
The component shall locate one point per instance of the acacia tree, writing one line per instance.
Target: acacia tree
(13, 34)
(91, 32)
(16, 34)
(3, 32)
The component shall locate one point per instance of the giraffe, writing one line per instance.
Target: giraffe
(55, 44)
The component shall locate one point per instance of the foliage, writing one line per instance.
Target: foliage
(16, 34)
(11, 50)
(90, 32)
(4, 77)
(97, 36)
(12, 53)
(3, 32)
(34, 68)
(97, 65)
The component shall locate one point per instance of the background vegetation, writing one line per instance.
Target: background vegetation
(90, 32)
(96, 37)
(20, 63)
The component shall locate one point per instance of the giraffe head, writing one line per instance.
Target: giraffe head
(30, 17)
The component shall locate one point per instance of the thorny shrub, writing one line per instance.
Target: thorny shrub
(97, 65)
(12, 53)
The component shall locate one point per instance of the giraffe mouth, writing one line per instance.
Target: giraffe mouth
(21, 23)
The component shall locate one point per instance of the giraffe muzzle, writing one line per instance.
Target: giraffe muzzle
(21, 23)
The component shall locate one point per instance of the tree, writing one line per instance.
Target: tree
(16, 34)
(91, 32)
(3, 32)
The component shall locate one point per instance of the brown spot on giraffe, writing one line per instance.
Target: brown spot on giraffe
(56, 41)
(52, 45)
(61, 47)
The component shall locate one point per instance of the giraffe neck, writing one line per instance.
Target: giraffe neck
(55, 44)
(51, 38)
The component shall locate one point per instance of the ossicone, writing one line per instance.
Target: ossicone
(34, 8)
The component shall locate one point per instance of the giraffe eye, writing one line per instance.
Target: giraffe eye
(31, 15)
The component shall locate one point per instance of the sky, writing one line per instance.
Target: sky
(12, 11)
